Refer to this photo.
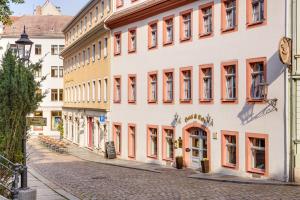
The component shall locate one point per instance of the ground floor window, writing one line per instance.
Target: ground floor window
(131, 140)
(55, 119)
(230, 149)
(257, 153)
(168, 143)
(117, 137)
(152, 141)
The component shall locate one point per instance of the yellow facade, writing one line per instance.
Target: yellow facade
(86, 71)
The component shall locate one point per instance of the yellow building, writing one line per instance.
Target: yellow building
(87, 76)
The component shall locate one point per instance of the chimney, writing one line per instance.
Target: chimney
(38, 10)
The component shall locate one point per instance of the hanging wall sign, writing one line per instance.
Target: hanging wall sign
(285, 50)
(207, 120)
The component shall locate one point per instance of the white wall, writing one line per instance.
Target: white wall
(241, 45)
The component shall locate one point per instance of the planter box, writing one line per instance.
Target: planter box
(179, 162)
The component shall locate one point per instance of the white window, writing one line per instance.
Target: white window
(105, 47)
(118, 138)
(118, 89)
(96, 14)
(88, 91)
(118, 43)
(94, 52)
(132, 89)
(207, 20)
(169, 27)
(105, 90)
(99, 90)
(230, 149)
(99, 50)
(187, 85)
(94, 91)
(91, 18)
(102, 8)
(83, 92)
(88, 56)
(230, 14)
(83, 57)
(187, 26)
(258, 153)
(257, 10)
(153, 85)
(258, 80)
(81, 26)
(108, 5)
(85, 23)
(79, 93)
(169, 86)
(75, 94)
(207, 84)
(79, 59)
(153, 39)
(169, 144)
(132, 40)
(230, 82)
(153, 141)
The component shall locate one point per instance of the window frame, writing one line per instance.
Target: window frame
(131, 143)
(57, 94)
(223, 17)
(118, 77)
(164, 143)
(150, 28)
(249, 62)
(223, 82)
(116, 34)
(235, 134)
(130, 49)
(165, 85)
(181, 25)
(150, 100)
(39, 49)
(130, 100)
(201, 85)
(181, 78)
(249, 15)
(202, 7)
(248, 159)
(115, 124)
(149, 141)
(165, 32)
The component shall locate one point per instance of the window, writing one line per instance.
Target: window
(105, 90)
(102, 8)
(38, 72)
(186, 25)
(186, 85)
(256, 79)
(54, 95)
(168, 143)
(83, 92)
(38, 49)
(206, 83)
(54, 50)
(105, 47)
(83, 57)
(117, 137)
(257, 153)
(79, 93)
(131, 141)
(88, 92)
(256, 12)
(117, 89)
(119, 3)
(117, 46)
(61, 72)
(152, 35)
(81, 26)
(168, 32)
(94, 53)
(91, 19)
(168, 87)
(152, 87)
(230, 156)
(61, 48)
(229, 80)
(96, 14)
(229, 15)
(88, 56)
(99, 90)
(61, 94)
(131, 40)
(99, 50)
(152, 143)
(206, 19)
(94, 91)
(108, 5)
(131, 88)
(85, 23)
(54, 71)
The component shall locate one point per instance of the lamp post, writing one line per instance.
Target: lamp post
(24, 45)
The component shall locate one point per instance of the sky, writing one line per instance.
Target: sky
(68, 7)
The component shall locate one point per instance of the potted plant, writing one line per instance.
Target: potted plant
(205, 165)
(179, 162)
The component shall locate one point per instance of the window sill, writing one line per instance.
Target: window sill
(169, 159)
(152, 101)
(186, 101)
(257, 171)
(152, 156)
(132, 101)
(205, 35)
(168, 101)
(152, 47)
(229, 30)
(168, 43)
(231, 166)
(206, 100)
(186, 39)
(132, 157)
(132, 51)
(117, 102)
(255, 24)
(229, 101)
(256, 101)
(117, 54)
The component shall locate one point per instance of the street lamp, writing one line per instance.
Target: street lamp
(24, 45)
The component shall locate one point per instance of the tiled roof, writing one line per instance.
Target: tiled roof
(37, 26)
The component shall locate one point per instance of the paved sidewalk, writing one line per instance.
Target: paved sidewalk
(88, 155)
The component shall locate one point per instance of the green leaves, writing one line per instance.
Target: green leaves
(5, 11)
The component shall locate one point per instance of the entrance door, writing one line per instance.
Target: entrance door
(198, 146)
(90, 131)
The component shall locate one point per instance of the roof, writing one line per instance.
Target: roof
(37, 26)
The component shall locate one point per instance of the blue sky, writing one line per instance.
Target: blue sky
(68, 7)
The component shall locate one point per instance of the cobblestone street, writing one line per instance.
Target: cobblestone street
(89, 180)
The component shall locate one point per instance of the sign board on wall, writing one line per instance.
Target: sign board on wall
(102, 119)
(285, 50)
(36, 121)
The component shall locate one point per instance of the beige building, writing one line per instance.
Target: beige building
(48, 8)
(86, 79)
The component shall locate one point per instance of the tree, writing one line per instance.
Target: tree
(5, 11)
(18, 98)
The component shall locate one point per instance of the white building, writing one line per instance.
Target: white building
(46, 33)
(198, 70)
